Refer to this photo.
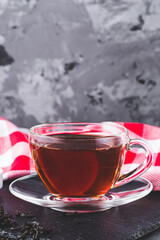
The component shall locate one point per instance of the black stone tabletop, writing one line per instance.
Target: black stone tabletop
(22, 220)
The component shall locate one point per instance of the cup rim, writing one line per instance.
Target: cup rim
(124, 130)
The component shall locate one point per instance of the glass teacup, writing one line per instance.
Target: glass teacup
(80, 162)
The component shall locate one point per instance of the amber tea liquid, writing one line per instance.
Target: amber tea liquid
(85, 171)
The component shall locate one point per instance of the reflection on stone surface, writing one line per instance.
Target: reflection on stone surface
(79, 60)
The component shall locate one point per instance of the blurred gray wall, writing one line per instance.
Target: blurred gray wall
(79, 60)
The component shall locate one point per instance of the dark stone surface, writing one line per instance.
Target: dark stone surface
(5, 59)
(136, 220)
(79, 60)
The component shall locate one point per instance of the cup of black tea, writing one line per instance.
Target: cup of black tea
(81, 162)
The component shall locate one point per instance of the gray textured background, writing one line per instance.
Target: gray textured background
(79, 60)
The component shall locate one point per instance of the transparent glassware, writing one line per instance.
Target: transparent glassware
(81, 166)
(31, 189)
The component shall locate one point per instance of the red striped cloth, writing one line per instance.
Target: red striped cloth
(15, 157)
(151, 134)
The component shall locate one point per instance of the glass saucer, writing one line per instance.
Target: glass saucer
(31, 189)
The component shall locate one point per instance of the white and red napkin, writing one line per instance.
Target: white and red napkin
(15, 156)
(16, 161)
(150, 134)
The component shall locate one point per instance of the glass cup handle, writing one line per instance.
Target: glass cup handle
(141, 168)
